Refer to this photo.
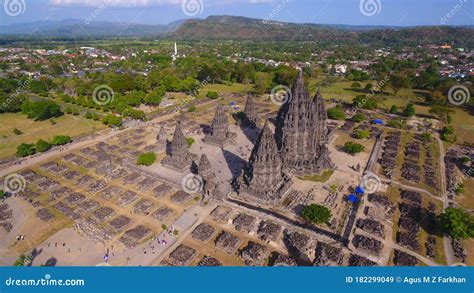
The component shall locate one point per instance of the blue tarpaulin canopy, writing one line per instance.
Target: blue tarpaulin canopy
(232, 103)
(377, 121)
(352, 198)
(360, 189)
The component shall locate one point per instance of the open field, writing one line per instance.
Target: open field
(34, 130)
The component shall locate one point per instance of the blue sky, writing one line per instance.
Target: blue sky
(387, 12)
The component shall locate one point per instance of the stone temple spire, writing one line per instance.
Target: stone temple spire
(210, 181)
(179, 158)
(302, 132)
(219, 135)
(161, 138)
(251, 115)
(263, 179)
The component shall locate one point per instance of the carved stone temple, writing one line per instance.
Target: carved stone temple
(178, 158)
(263, 179)
(161, 138)
(302, 132)
(219, 134)
(210, 181)
(250, 110)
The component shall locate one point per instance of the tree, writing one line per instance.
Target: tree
(365, 102)
(394, 109)
(155, 97)
(25, 150)
(409, 110)
(190, 141)
(42, 146)
(262, 82)
(447, 134)
(17, 131)
(426, 136)
(3, 194)
(457, 223)
(398, 82)
(146, 159)
(336, 113)
(358, 117)
(316, 213)
(192, 109)
(61, 140)
(353, 148)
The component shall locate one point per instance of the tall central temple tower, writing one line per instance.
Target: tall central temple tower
(302, 132)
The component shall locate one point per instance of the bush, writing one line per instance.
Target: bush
(192, 109)
(336, 113)
(146, 159)
(3, 194)
(17, 131)
(394, 109)
(426, 136)
(61, 140)
(353, 148)
(316, 213)
(25, 150)
(409, 110)
(190, 141)
(112, 120)
(358, 117)
(362, 134)
(212, 95)
(356, 85)
(365, 102)
(42, 146)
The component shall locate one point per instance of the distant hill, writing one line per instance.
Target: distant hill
(243, 28)
(82, 29)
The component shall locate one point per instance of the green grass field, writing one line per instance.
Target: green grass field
(34, 130)
(225, 89)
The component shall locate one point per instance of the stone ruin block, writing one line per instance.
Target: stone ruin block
(60, 192)
(146, 183)
(372, 226)
(92, 229)
(67, 211)
(401, 258)
(221, 214)
(284, 261)
(71, 174)
(162, 190)
(127, 198)
(356, 260)
(408, 240)
(132, 178)
(162, 213)
(269, 231)
(209, 261)
(368, 244)
(298, 241)
(203, 232)
(48, 165)
(244, 222)
(183, 255)
(254, 254)
(119, 223)
(29, 175)
(103, 214)
(74, 199)
(44, 215)
(84, 180)
(88, 206)
(228, 242)
(144, 206)
(327, 255)
(133, 236)
(96, 186)
(47, 184)
(111, 192)
(181, 197)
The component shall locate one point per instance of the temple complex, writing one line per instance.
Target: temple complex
(178, 158)
(219, 134)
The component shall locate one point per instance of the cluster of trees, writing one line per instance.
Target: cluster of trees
(336, 113)
(28, 149)
(40, 110)
(457, 223)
